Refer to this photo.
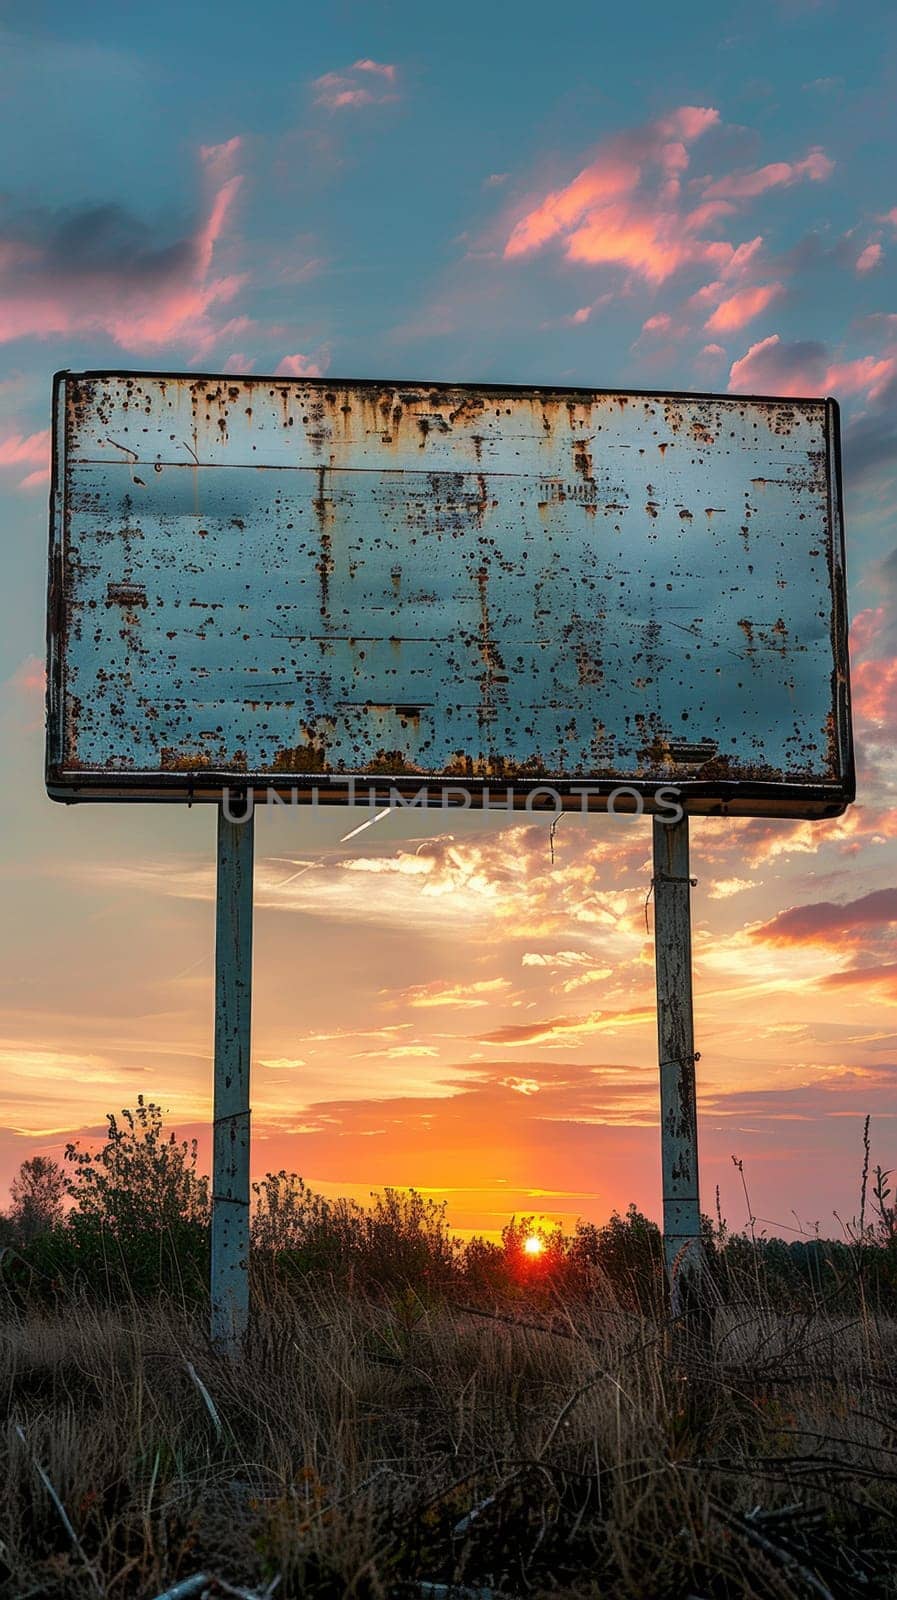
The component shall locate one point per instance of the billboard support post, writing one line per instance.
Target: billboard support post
(677, 1056)
(230, 1142)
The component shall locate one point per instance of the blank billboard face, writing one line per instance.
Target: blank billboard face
(291, 583)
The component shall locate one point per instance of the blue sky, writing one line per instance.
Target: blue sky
(698, 197)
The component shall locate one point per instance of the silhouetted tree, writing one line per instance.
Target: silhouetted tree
(141, 1179)
(37, 1193)
(140, 1220)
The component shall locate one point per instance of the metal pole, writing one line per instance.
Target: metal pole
(676, 1048)
(233, 1015)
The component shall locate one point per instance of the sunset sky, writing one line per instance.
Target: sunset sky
(696, 197)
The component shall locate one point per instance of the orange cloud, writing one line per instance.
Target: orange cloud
(724, 888)
(561, 1029)
(579, 964)
(401, 1052)
(625, 209)
(428, 996)
(763, 842)
(562, 210)
(496, 880)
(825, 920)
(877, 975)
(741, 307)
(607, 214)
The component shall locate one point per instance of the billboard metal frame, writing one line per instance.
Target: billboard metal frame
(743, 796)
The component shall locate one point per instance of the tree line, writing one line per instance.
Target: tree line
(130, 1217)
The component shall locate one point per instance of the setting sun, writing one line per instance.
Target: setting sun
(533, 1246)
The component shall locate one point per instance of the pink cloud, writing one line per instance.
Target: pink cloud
(216, 333)
(776, 175)
(773, 367)
(874, 690)
(28, 450)
(337, 93)
(384, 69)
(662, 323)
(866, 628)
(737, 266)
(741, 307)
(585, 313)
(870, 258)
(657, 331)
(650, 243)
(220, 158)
(565, 208)
(355, 86)
(298, 366)
(743, 257)
(820, 922)
(689, 122)
(98, 269)
(25, 450)
(623, 208)
(868, 374)
(34, 480)
(708, 213)
(30, 678)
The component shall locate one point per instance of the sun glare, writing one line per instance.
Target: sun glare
(533, 1245)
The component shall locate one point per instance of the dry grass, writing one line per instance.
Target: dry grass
(367, 1446)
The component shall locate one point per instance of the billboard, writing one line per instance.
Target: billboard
(322, 587)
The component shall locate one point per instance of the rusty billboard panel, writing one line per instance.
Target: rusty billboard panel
(291, 583)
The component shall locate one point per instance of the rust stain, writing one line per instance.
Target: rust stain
(300, 758)
(393, 763)
(323, 505)
(183, 760)
(588, 668)
(582, 459)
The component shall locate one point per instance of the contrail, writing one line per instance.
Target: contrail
(362, 825)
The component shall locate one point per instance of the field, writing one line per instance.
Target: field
(416, 1417)
(391, 1442)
